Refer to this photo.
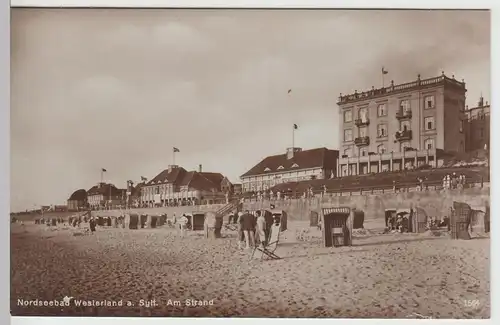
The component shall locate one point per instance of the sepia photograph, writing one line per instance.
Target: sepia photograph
(190, 162)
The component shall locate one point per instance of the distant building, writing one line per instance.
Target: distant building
(134, 195)
(237, 189)
(293, 166)
(401, 126)
(105, 195)
(78, 200)
(177, 186)
(478, 127)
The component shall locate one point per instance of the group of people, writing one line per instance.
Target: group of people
(454, 181)
(181, 223)
(288, 194)
(253, 230)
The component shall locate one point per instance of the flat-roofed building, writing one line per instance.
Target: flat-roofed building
(401, 126)
(478, 126)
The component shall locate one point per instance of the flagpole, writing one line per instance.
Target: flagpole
(102, 174)
(173, 150)
(293, 136)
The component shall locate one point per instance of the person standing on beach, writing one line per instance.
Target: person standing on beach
(248, 229)
(241, 235)
(182, 224)
(92, 225)
(261, 228)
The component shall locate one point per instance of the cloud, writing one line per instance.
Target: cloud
(119, 88)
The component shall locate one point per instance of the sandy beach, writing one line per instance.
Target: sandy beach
(153, 272)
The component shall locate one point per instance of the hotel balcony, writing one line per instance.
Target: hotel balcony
(400, 115)
(404, 135)
(361, 122)
(362, 141)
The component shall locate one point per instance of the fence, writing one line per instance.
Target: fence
(373, 190)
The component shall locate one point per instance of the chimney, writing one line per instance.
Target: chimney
(480, 104)
(290, 152)
(486, 103)
(171, 167)
(200, 168)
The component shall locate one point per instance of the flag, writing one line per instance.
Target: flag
(176, 150)
(295, 127)
(103, 170)
(143, 178)
(384, 71)
(289, 90)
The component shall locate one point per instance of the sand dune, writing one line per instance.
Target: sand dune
(396, 275)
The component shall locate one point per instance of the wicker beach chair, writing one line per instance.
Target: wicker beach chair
(268, 249)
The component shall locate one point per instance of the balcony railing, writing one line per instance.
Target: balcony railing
(404, 135)
(403, 115)
(362, 141)
(361, 122)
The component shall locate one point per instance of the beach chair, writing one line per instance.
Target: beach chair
(269, 248)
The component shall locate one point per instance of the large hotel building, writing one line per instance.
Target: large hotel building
(401, 126)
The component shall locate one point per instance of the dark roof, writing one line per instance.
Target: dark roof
(173, 175)
(313, 158)
(136, 190)
(201, 181)
(196, 180)
(215, 178)
(78, 195)
(105, 189)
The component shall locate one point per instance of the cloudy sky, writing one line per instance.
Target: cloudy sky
(119, 88)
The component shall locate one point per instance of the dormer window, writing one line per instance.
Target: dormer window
(152, 182)
(281, 167)
(267, 169)
(295, 166)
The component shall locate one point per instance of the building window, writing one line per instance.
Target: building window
(381, 110)
(429, 144)
(267, 169)
(347, 152)
(382, 130)
(481, 133)
(157, 190)
(362, 132)
(405, 126)
(429, 123)
(381, 148)
(348, 135)
(404, 105)
(461, 126)
(429, 101)
(363, 114)
(363, 152)
(405, 145)
(348, 116)
(281, 167)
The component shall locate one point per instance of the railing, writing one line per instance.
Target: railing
(399, 88)
(362, 141)
(404, 135)
(360, 122)
(369, 190)
(403, 114)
